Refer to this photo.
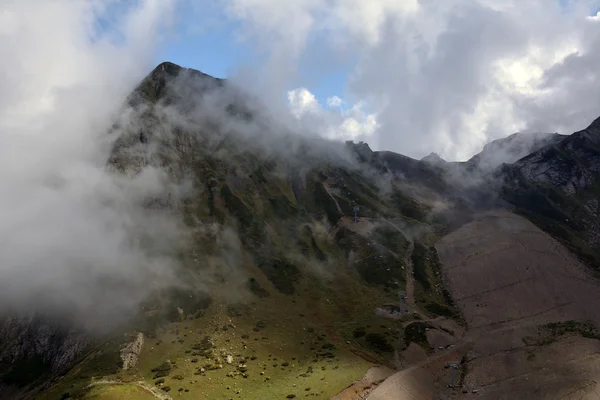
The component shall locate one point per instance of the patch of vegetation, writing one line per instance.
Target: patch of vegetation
(26, 371)
(431, 293)
(439, 309)
(255, 288)
(391, 238)
(282, 207)
(375, 264)
(323, 199)
(355, 189)
(190, 301)
(204, 348)
(549, 333)
(237, 208)
(162, 370)
(282, 273)
(359, 332)
(409, 207)
(237, 310)
(308, 245)
(416, 333)
(379, 341)
(420, 255)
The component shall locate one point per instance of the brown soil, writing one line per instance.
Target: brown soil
(508, 277)
(361, 389)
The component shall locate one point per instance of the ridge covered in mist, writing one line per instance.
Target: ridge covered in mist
(261, 275)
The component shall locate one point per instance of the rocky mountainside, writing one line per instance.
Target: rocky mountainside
(511, 148)
(305, 263)
(557, 188)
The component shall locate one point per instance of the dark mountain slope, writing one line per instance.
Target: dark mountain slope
(510, 149)
(557, 187)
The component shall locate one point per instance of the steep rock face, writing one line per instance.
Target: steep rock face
(510, 149)
(572, 165)
(33, 349)
(557, 187)
(157, 85)
(33, 337)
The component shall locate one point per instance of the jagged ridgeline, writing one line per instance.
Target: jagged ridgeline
(292, 244)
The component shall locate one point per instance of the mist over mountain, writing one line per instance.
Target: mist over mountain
(246, 259)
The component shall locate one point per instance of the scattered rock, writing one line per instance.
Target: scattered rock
(131, 351)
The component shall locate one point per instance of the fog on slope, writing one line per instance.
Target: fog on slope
(512, 148)
(78, 241)
(74, 238)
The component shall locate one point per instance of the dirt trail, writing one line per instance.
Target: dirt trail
(141, 384)
(360, 389)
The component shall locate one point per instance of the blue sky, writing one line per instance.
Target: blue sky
(212, 46)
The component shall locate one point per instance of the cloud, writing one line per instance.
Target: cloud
(71, 234)
(334, 101)
(440, 76)
(352, 124)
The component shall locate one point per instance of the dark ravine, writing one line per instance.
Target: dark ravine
(270, 221)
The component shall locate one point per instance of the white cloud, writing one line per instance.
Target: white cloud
(353, 124)
(302, 101)
(66, 225)
(442, 76)
(334, 101)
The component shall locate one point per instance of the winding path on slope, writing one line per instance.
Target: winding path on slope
(141, 384)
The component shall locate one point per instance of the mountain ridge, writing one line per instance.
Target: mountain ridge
(290, 288)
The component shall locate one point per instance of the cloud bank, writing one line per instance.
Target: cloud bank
(72, 235)
(437, 76)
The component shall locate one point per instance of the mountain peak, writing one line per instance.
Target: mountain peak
(433, 158)
(595, 124)
(154, 87)
(512, 148)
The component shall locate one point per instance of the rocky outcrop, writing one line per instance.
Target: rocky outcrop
(29, 337)
(131, 351)
(511, 148)
(434, 158)
(572, 165)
